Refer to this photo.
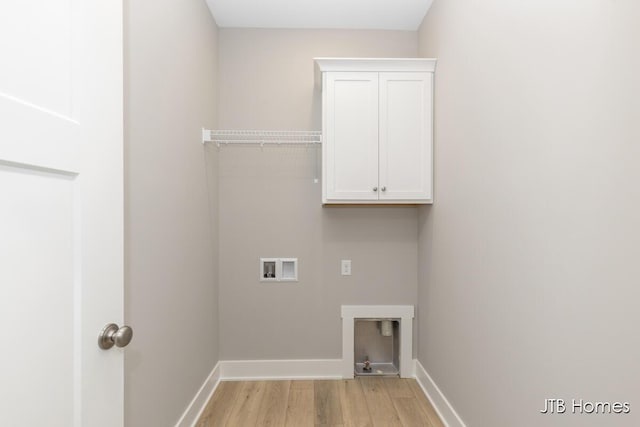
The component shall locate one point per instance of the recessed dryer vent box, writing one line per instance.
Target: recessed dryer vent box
(278, 269)
(379, 334)
(377, 350)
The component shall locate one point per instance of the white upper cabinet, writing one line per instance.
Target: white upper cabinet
(377, 130)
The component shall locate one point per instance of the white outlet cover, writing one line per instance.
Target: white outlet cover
(345, 267)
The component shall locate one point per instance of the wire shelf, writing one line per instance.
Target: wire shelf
(261, 137)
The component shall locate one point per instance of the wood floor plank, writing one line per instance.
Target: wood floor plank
(355, 412)
(217, 411)
(398, 387)
(410, 412)
(426, 406)
(300, 411)
(245, 410)
(328, 409)
(361, 402)
(381, 409)
(273, 409)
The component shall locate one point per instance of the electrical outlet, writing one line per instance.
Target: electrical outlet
(345, 267)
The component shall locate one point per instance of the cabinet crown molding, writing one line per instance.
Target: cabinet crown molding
(373, 64)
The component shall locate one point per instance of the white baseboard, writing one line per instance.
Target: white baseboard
(447, 414)
(306, 369)
(199, 402)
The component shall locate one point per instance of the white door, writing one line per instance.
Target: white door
(350, 109)
(61, 212)
(405, 136)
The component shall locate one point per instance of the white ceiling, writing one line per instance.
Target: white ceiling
(352, 14)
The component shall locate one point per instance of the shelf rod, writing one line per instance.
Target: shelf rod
(261, 137)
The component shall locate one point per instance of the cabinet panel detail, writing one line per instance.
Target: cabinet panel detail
(405, 136)
(352, 127)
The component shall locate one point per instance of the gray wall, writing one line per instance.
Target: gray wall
(528, 284)
(270, 206)
(171, 241)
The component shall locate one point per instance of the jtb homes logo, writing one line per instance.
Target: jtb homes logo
(581, 406)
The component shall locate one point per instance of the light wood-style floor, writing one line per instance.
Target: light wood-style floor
(361, 402)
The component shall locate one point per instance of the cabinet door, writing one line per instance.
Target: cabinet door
(350, 129)
(406, 136)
